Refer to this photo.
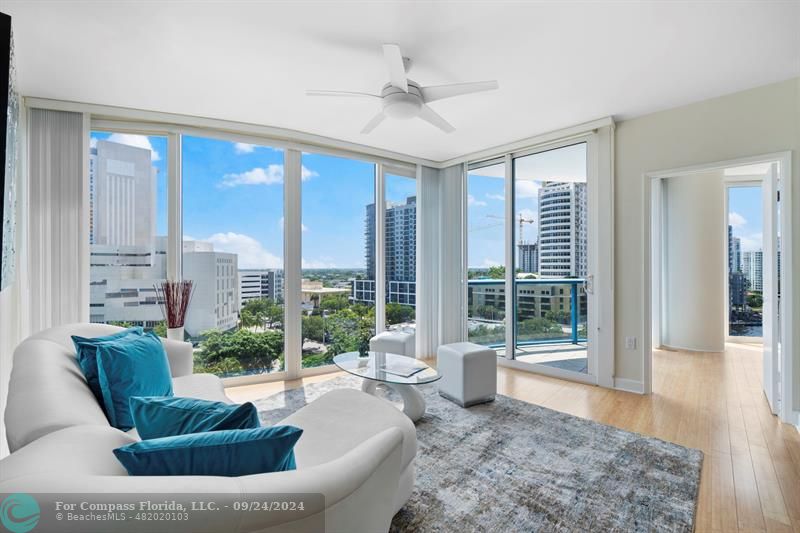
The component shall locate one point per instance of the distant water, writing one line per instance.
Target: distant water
(741, 330)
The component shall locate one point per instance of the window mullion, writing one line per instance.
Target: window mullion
(174, 208)
(292, 263)
(380, 248)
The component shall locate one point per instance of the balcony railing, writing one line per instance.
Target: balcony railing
(535, 321)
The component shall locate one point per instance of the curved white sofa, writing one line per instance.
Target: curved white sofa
(357, 450)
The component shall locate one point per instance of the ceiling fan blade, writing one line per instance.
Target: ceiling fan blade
(397, 69)
(429, 115)
(438, 92)
(348, 94)
(373, 123)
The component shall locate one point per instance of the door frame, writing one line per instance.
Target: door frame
(600, 308)
(652, 198)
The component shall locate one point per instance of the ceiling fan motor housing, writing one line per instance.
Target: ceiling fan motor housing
(400, 104)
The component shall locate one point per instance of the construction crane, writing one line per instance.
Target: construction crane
(522, 221)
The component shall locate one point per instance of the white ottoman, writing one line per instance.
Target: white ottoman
(397, 342)
(469, 373)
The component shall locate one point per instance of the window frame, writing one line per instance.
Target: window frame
(292, 236)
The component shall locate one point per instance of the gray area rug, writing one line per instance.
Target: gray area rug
(511, 466)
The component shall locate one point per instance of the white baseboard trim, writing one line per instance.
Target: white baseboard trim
(629, 385)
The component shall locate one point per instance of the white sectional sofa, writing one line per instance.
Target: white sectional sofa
(357, 450)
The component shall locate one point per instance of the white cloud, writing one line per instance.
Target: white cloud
(281, 224)
(527, 189)
(324, 262)
(472, 201)
(736, 220)
(491, 263)
(495, 197)
(252, 253)
(751, 243)
(137, 141)
(244, 148)
(306, 173)
(93, 142)
(269, 175)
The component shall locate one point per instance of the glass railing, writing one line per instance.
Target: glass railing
(547, 311)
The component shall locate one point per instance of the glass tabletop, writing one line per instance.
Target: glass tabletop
(387, 368)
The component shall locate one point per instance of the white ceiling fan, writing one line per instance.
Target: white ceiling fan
(403, 98)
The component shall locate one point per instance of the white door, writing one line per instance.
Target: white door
(771, 376)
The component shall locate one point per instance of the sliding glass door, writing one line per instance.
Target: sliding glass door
(533, 231)
(551, 260)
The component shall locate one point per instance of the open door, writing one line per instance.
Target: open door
(771, 335)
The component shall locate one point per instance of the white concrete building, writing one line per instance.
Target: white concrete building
(127, 259)
(562, 230)
(752, 263)
(255, 284)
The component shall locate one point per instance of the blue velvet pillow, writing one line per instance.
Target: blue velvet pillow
(234, 452)
(157, 417)
(136, 367)
(86, 352)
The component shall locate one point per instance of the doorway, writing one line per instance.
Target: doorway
(762, 186)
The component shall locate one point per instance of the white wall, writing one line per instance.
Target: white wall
(758, 121)
(694, 246)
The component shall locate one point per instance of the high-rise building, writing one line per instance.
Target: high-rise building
(562, 230)
(127, 259)
(255, 284)
(401, 254)
(528, 257)
(753, 269)
(734, 252)
(737, 286)
(122, 195)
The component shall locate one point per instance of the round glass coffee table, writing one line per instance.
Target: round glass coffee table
(399, 372)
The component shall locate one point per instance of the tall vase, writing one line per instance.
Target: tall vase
(175, 334)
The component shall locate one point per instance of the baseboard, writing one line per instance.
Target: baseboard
(629, 385)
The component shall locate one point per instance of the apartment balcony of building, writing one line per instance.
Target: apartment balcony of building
(533, 343)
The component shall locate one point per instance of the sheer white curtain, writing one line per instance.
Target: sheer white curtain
(440, 259)
(58, 234)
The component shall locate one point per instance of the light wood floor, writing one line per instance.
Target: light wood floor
(713, 402)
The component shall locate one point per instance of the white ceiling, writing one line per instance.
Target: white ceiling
(558, 63)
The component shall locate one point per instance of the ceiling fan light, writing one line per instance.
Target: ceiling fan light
(401, 105)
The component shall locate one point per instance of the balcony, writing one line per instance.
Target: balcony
(550, 322)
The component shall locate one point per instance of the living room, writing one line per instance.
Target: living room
(391, 266)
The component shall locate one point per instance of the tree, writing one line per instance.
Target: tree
(333, 302)
(160, 329)
(755, 300)
(240, 351)
(313, 328)
(398, 313)
(562, 317)
(497, 272)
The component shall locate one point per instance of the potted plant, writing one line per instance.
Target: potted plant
(174, 298)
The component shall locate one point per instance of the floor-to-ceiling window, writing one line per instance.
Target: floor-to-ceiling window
(551, 260)
(400, 245)
(233, 252)
(175, 204)
(486, 255)
(338, 257)
(127, 228)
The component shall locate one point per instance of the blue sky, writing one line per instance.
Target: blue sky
(486, 204)
(233, 197)
(745, 215)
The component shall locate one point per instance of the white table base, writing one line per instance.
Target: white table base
(413, 401)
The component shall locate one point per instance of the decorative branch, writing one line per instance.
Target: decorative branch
(173, 299)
